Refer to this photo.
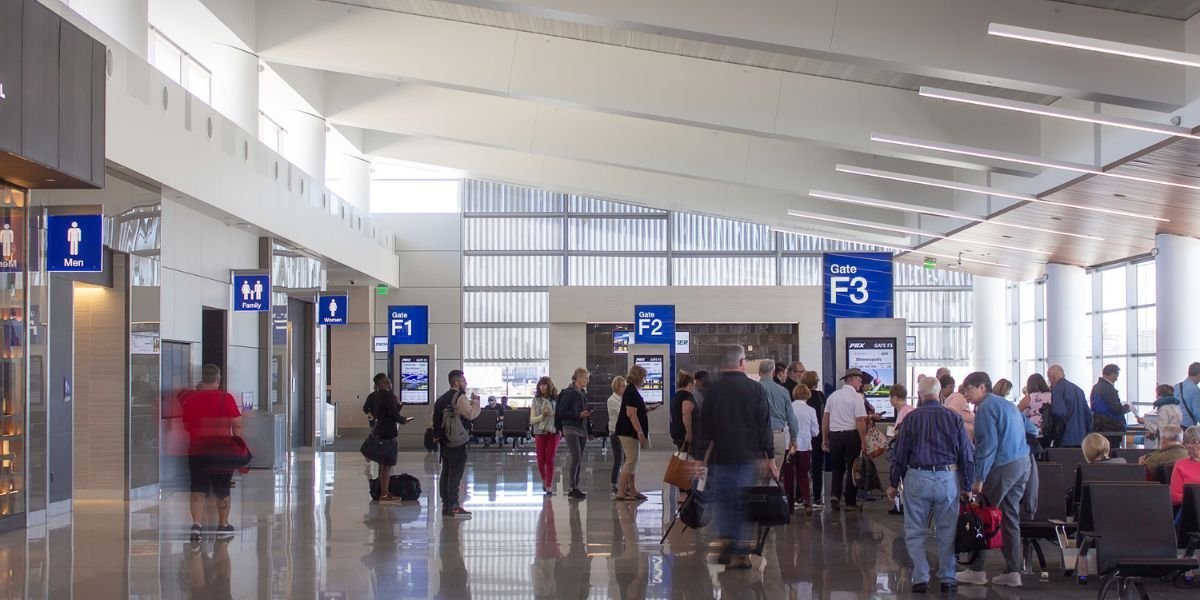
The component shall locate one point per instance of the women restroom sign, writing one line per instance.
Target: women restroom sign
(75, 243)
(331, 309)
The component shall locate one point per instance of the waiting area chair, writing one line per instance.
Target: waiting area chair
(600, 425)
(484, 426)
(1131, 550)
(1189, 519)
(1131, 455)
(1050, 509)
(1104, 472)
(516, 425)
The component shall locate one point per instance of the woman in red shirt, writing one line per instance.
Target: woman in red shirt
(1187, 470)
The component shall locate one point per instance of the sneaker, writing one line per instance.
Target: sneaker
(549, 492)
(225, 531)
(197, 532)
(575, 494)
(920, 588)
(972, 577)
(614, 490)
(457, 512)
(1012, 579)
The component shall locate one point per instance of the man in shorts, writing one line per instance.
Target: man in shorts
(211, 417)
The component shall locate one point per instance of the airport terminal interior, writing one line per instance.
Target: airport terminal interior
(766, 299)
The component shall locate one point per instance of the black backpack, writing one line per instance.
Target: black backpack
(430, 440)
(969, 537)
(403, 486)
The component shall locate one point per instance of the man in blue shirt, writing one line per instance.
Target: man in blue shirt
(782, 415)
(1068, 404)
(934, 458)
(1188, 393)
(1001, 472)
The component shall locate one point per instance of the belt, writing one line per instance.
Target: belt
(950, 468)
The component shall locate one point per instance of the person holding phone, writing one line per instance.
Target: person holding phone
(573, 412)
(632, 429)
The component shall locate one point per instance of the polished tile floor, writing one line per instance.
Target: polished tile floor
(312, 533)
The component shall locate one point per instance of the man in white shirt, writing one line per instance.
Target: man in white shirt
(845, 433)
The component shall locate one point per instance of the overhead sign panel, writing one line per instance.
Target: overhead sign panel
(251, 292)
(857, 286)
(654, 324)
(332, 309)
(75, 243)
(408, 324)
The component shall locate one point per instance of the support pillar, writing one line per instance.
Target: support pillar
(305, 145)
(354, 185)
(1067, 299)
(235, 86)
(1176, 290)
(991, 350)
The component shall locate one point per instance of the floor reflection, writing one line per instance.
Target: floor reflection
(311, 532)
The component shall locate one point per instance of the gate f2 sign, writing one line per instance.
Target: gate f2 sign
(75, 243)
(408, 325)
(857, 286)
(251, 292)
(332, 309)
(654, 324)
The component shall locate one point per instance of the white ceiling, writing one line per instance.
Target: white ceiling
(738, 109)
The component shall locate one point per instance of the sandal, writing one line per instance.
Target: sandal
(640, 496)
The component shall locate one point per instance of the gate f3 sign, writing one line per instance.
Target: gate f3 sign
(857, 286)
(408, 325)
(654, 324)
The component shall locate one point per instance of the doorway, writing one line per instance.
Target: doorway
(213, 339)
(302, 391)
(176, 379)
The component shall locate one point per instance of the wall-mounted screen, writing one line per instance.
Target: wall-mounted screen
(381, 343)
(876, 358)
(652, 388)
(622, 341)
(414, 380)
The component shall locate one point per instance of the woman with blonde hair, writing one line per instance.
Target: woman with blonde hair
(545, 434)
(632, 431)
(1096, 450)
(614, 409)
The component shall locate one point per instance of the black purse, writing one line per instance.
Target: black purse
(767, 505)
(380, 450)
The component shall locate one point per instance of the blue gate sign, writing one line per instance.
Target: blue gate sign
(251, 292)
(857, 286)
(654, 324)
(75, 243)
(408, 325)
(332, 309)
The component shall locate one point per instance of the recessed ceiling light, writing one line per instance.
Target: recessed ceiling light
(51, 180)
(1007, 237)
(1055, 218)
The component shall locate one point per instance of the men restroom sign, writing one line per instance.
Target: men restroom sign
(654, 324)
(75, 243)
(408, 325)
(331, 309)
(251, 292)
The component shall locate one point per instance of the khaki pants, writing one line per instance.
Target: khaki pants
(781, 445)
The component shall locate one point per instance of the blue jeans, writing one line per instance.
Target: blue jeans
(931, 498)
(727, 484)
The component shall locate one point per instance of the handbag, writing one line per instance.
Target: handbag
(767, 505)
(979, 528)
(681, 470)
(227, 453)
(865, 475)
(380, 450)
(876, 442)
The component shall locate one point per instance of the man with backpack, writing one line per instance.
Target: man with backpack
(452, 413)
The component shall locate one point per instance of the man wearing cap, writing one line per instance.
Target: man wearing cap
(844, 429)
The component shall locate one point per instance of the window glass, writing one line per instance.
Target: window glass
(1146, 281)
(1112, 331)
(1146, 330)
(1113, 292)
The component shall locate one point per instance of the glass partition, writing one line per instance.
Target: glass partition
(13, 366)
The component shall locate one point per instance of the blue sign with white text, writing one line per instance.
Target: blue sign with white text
(331, 310)
(857, 286)
(408, 324)
(654, 324)
(75, 243)
(252, 292)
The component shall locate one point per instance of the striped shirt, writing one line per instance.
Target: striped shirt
(933, 436)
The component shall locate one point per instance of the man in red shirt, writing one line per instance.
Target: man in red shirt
(211, 417)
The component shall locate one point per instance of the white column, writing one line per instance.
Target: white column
(127, 21)
(354, 183)
(235, 86)
(305, 143)
(1067, 300)
(991, 340)
(1177, 289)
